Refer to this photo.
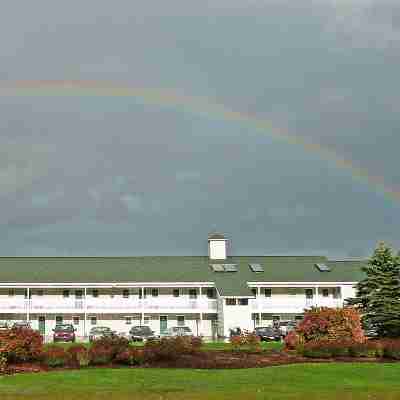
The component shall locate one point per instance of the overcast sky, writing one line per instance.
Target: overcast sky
(114, 176)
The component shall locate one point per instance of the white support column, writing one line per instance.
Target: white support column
(85, 313)
(201, 324)
(28, 308)
(316, 301)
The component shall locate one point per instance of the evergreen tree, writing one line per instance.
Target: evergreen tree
(378, 295)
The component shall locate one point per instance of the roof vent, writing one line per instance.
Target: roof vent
(256, 267)
(323, 267)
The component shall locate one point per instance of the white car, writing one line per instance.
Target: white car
(179, 331)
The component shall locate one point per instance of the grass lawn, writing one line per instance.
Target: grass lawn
(302, 381)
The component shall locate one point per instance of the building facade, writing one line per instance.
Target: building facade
(210, 294)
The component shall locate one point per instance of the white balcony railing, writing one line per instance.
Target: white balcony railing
(293, 305)
(109, 304)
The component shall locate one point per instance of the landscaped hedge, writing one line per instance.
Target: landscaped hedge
(20, 345)
(246, 340)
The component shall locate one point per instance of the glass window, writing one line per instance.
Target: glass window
(146, 320)
(11, 292)
(75, 320)
(175, 292)
(78, 294)
(325, 292)
(93, 320)
(230, 302)
(40, 293)
(268, 292)
(210, 293)
(65, 293)
(125, 293)
(59, 319)
(181, 320)
(243, 302)
(128, 320)
(154, 292)
(192, 294)
(309, 293)
(254, 291)
(95, 293)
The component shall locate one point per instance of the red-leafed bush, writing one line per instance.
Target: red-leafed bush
(56, 356)
(105, 349)
(21, 344)
(246, 340)
(79, 355)
(292, 340)
(331, 324)
(169, 348)
(391, 348)
(130, 356)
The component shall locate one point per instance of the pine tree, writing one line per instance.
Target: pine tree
(378, 295)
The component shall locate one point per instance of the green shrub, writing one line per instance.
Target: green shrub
(391, 349)
(369, 349)
(55, 356)
(317, 350)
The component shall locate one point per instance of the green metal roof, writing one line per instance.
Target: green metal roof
(175, 269)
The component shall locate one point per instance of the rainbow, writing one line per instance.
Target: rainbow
(197, 105)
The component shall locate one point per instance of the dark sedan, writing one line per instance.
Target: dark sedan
(268, 334)
(141, 334)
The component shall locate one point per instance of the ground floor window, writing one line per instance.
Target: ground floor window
(298, 318)
(325, 292)
(59, 320)
(146, 320)
(243, 302)
(93, 320)
(128, 320)
(230, 302)
(75, 320)
(181, 320)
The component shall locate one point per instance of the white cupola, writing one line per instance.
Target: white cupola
(217, 246)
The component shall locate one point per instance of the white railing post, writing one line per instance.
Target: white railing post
(316, 296)
(28, 305)
(85, 313)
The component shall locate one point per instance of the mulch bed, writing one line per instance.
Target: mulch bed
(212, 360)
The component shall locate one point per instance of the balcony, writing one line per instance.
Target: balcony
(106, 305)
(294, 305)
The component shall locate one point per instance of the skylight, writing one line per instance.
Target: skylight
(230, 267)
(323, 267)
(256, 267)
(218, 267)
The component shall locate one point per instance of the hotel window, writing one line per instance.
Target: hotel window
(59, 320)
(175, 293)
(95, 293)
(230, 302)
(268, 292)
(309, 293)
(210, 293)
(243, 302)
(128, 320)
(154, 292)
(78, 294)
(11, 292)
(325, 292)
(336, 293)
(40, 293)
(180, 320)
(125, 293)
(65, 293)
(93, 320)
(192, 294)
(292, 291)
(75, 320)
(254, 291)
(146, 320)
(140, 293)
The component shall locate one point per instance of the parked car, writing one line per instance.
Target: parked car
(100, 331)
(286, 326)
(21, 324)
(179, 331)
(237, 331)
(141, 334)
(64, 333)
(268, 334)
(3, 326)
